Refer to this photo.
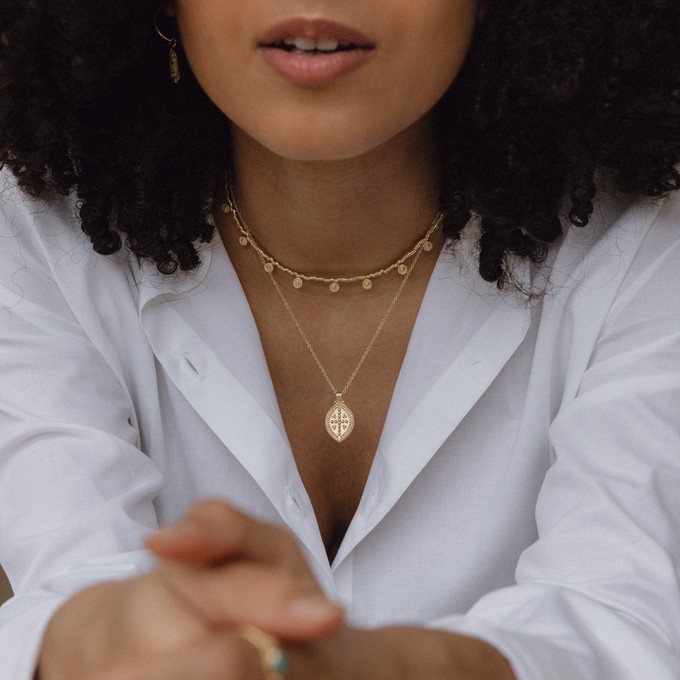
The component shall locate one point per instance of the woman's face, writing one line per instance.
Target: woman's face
(325, 79)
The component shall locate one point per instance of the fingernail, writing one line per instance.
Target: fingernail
(315, 608)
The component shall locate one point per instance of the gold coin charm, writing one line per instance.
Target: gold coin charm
(427, 246)
(243, 241)
(334, 287)
(402, 269)
(339, 420)
(297, 282)
(367, 284)
(269, 267)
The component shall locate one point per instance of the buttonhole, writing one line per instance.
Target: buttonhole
(295, 501)
(194, 369)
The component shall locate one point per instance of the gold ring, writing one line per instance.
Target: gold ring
(273, 660)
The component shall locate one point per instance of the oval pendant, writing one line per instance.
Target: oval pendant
(339, 420)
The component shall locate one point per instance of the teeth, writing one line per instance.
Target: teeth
(304, 44)
(327, 45)
(307, 45)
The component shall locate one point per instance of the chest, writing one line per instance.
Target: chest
(341, 354)
(453, 358)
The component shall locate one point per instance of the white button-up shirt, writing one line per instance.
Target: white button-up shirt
(526, 488)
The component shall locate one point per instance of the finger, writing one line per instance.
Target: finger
(217, 534)
(244, 592)
(213, 531)
(221, 656)
(235, 569)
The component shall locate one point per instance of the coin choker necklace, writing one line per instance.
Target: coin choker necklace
(339, 418)
(247, 239)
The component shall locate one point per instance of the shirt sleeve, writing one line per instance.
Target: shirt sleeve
(76, 491)
(597, 596)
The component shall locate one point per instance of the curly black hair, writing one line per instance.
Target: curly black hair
(556, 101)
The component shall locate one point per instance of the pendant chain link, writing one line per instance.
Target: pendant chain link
(382, 323)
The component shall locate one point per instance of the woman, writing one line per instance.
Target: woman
(339, 290)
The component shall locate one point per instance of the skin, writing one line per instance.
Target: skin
(318, 170)
(223, 568)
(420, 47)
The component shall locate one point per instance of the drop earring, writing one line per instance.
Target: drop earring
(173, 59)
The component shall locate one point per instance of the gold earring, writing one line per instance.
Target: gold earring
(173, 59)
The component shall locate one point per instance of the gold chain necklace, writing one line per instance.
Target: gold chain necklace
(339, 419)
(270, 263)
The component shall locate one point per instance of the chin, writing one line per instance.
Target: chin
(317, 151)
(327, 145)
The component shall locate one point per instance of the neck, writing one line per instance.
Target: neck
(338, 217)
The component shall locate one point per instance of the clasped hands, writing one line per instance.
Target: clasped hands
(220, 570)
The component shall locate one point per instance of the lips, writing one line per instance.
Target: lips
(314, 52)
